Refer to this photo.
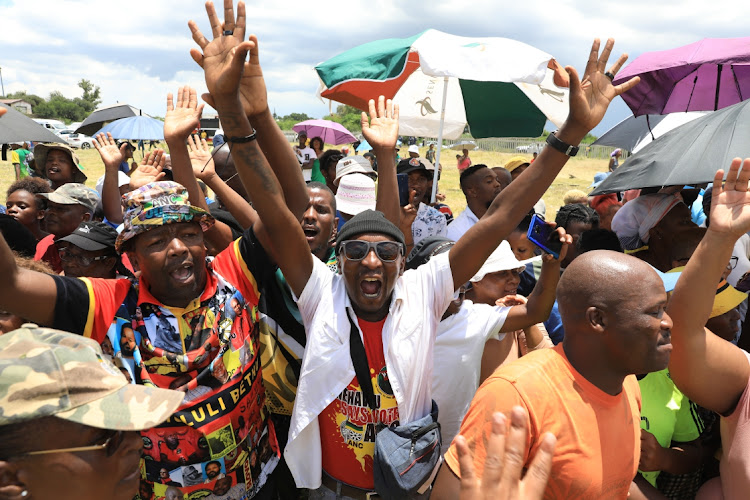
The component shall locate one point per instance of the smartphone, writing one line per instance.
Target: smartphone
(403, 189)
(543, 235)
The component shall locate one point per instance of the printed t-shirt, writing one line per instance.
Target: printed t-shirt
(19, 156)
(348, 425)
(666, 413)
(305, 155)
(46, 251)
(209, 350)
(598, 436)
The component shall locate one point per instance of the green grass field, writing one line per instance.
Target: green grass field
(577, 174)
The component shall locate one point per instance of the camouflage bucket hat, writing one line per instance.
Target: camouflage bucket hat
(73, 193)
(40, 160)
(45, 372)
(155, 205)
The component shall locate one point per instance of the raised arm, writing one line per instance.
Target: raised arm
(181, 119)
(271, 139)
(112, 156)
(589, 100)
(707, 369)
(381, 131)
(25, 293)
(542, 297)
(223, 62)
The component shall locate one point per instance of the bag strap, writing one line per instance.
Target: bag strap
(361, 366)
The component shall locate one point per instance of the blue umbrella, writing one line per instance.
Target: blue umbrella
(364, 146)
(140, 128)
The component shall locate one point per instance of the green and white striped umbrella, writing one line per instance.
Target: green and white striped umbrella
(500, 87)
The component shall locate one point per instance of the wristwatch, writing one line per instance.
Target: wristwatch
(561, 146)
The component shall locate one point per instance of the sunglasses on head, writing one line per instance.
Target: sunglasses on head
(387, 251)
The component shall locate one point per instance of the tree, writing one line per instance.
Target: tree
(348, 116)
(32, 99)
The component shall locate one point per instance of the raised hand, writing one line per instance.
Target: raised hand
(730, 203)
(590, 97)
(184, 117)
(565, 239)
(223, 58)
(107, 147)
(200, 158)
(381, 130)
(150, 169)
(503, 466)
(511, 300)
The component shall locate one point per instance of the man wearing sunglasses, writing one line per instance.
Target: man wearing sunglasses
(396, 313)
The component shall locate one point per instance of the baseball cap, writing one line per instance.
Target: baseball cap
(45, 372)
(426, 248)
(92, 236)
(412, 164)
(516, 162)
(413, 149)
(40, 158)
(502, 259)
(73, 193)
(351, 165)
(157, 204)
(356, 193)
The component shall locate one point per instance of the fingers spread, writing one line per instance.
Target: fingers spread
(469, 483)
(624, 87)
(604, 57)
(198, 37)
(495, 452)
(618, 64)
(197, 56)
(213, 19)
(239, 28)
(254, 57)
(515, 446)
(229, 15)
(593, 59)
(730, 183)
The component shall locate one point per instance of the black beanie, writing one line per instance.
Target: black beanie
(369, 221)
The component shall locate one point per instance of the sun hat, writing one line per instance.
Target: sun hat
(635, 219)
(599, 178)
(413, 149)
(613, 153)
(157, 204)
(502, 259)
(40, 160)
(122, 180)
(413, 164)
(73, 193)
(356, 193)
(353, 165)
(369, 221)
(727, 297)
(45, 372)
(92, 236)
(516, 162)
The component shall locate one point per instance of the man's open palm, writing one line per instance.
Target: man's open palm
(730, 203)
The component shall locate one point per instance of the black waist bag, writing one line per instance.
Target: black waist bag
(407, 457)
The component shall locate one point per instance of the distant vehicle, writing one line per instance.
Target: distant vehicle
(74, 125)
(65, 133)
(529, 148)
(80, 141)
(54, 125)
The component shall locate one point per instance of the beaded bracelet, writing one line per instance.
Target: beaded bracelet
(241, 140)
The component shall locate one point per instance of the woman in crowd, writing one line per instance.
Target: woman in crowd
(317, 144)
(26, 207)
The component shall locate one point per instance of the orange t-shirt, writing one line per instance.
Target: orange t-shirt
(598, 435)
(348, 426)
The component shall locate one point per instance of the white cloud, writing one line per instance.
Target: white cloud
(137, 50)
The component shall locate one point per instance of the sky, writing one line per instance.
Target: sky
(137, 51)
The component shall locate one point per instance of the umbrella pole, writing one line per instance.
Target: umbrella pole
(439, 141)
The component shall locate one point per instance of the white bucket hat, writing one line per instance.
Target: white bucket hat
(502, 259)
(356, 193)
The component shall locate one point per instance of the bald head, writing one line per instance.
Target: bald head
(226, 170)
(602, 279)
(503, 176)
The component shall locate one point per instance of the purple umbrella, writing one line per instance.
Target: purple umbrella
(704, 76)
(330, 132)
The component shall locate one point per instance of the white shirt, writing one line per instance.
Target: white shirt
(305, 155)
(458, 360)
(461, 224)
(420, 298)
(429, 222)
(742, 252)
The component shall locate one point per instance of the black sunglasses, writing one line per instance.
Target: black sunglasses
(387, 251)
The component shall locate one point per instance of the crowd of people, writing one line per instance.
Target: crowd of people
(308, 331)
